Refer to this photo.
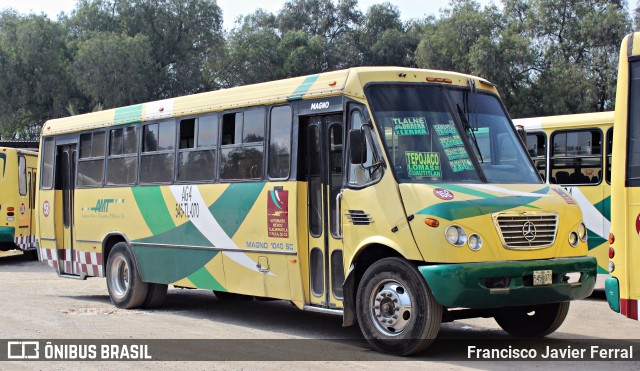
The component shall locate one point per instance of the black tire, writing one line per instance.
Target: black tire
(126, 288)
(230, 296)
(393, 287)
(533, 321)
(31, 254)
(156, 293)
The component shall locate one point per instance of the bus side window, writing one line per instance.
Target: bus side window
(576, 157)
(47, 163)
(156, 160)
(280, 142)
(197, 149)
(22, 175)
(242, 152)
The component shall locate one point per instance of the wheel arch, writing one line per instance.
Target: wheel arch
(109, 241)
(365, 257)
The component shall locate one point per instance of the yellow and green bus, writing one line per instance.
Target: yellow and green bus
(623, 287)
(576, 150)
(400, 198)
(17, 198)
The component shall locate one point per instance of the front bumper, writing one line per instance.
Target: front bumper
(472, 285)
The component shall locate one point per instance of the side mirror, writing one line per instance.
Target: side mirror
(357, 148)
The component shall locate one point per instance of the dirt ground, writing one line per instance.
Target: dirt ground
(36, 304)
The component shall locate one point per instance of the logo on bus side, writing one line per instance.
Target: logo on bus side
(443, 194)
(319, 105)
(102, 205)
(278, 213)
(45, 209)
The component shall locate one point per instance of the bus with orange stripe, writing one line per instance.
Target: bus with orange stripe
(395, 198)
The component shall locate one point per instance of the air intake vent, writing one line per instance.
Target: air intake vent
(359, 217)
(526, 230)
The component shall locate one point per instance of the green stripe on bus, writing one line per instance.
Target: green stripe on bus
(465, 190)
(303, 88)
(185, 234)
(153, 209)
(593, 240)
(453, 210)
(168, 265)
(203, 279)
(604, 207)
(232, 207)
(129, 114)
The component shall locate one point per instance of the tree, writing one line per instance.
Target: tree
(34, 74)
(115, 70)
(183, 35)
(384, 40)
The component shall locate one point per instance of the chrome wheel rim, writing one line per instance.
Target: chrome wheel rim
(390, 307)
(119, 276)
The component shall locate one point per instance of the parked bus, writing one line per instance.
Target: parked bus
(17, 198)
(623, 287)
(577, 151)
(362, 193)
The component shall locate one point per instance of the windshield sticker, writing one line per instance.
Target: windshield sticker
(451, 141)
(423, 164)
(456, 153)
(445, 129)
(461, 165)
(410, 126)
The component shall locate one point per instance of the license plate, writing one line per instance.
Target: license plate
(542, 278)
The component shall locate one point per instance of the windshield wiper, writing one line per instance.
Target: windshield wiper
(469, 130)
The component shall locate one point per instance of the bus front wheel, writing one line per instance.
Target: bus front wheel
(533, 321)
(126, 288)
(396, 310)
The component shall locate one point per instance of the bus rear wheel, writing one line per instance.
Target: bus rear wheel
(533, 321)
(396, 310)
(126, 288)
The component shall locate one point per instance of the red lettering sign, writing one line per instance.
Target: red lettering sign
(278, 213)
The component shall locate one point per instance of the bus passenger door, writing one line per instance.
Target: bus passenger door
(324, 146)
(63, 206)
(30, 207)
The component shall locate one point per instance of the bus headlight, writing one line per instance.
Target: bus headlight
(475, 242)
(573, 239)
(455, 235)
(582, 232)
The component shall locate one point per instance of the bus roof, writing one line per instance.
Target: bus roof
(563, 121)
(28, 152)
(349, 82)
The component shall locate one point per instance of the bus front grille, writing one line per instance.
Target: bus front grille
(526, 230)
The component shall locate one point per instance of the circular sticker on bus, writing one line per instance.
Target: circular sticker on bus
(22, 209)
(443, 194)
(45, 209)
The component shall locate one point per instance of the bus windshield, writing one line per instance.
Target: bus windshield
(437, 135)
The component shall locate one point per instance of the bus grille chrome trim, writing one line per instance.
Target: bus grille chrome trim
(359, 217)
(526, 230)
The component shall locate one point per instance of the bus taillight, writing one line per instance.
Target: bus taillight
(612, 238)
(612, 253)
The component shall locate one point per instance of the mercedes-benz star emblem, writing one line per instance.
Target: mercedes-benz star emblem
(529, 231)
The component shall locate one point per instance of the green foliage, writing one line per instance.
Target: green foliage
(546, 56)
(34, 74)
